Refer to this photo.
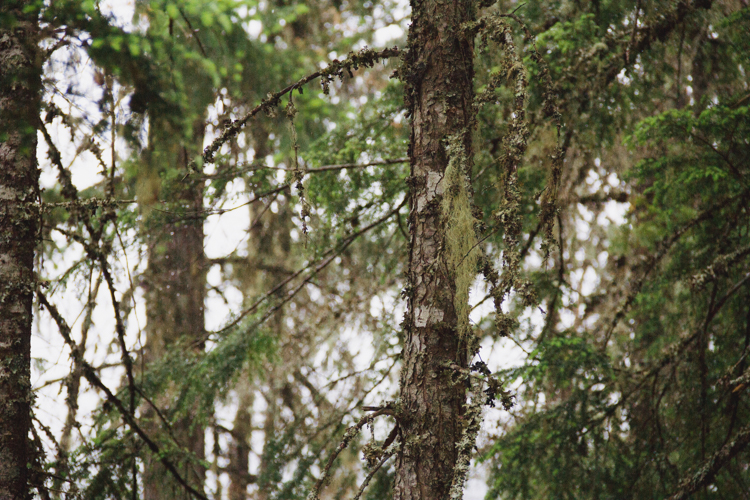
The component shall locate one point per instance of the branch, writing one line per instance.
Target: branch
(659, 31)
(662, 250)
(95, 381)
(120, 329)
(599, 197)
(325, 168)
(345, 166)
(388, 454)
(97, 255)
(673, 352)
(365, 57)
(331, 254)
(707, 472)
(350, 434)
(88, 204)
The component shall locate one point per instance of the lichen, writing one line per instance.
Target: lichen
(460, 244)
(297, 173)
(493, 28)
(719, 267)
(473, 422)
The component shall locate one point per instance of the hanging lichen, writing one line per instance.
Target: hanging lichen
(513, 74)
(485, 389)
(297, 173)
(473, 423)
(460, 242)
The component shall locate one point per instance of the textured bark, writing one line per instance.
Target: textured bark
(20, 84)
(439, 74)
(175, 286)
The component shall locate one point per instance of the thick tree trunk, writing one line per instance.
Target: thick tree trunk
(439, 94)
(175, 286)
(20, 84)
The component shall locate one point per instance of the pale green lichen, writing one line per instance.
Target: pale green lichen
(460, 244)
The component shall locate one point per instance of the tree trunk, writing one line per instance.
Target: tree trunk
(251, 282)
(20, 84)
(439, 74)
(175, 285)
(239, 448)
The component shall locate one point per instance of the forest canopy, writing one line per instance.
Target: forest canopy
(432, 250)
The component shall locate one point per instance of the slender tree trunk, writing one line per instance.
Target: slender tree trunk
(439, 75)
(175, 293)
(20, 84)
(252, 282)
(239, 448)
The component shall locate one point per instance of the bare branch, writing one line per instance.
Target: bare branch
(326, 259)
(95, 381)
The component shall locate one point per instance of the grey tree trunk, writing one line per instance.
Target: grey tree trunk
(20, 84)
(439, 74)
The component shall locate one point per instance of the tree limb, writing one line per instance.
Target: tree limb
(91, 376)
(706, 473)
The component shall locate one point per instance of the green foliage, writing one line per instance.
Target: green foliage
(349, 199)
(382, 484)
(633, 398)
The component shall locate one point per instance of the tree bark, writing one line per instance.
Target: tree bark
(239, 448)
(439, 75)
(20, 84)
(175, 286)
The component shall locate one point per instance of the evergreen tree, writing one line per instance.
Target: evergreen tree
(588, 160)
(442, 264)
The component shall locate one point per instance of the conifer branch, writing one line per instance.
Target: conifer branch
(708, 470)
(386, 456)
(350, 434)
(90, 373)
(365, 57)
(321, 264)
(662, 249)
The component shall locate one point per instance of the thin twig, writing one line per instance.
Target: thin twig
(708, 470)
(328, 257)
(386, 456)
(350, 433)
(95, 381)
(662, 250)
